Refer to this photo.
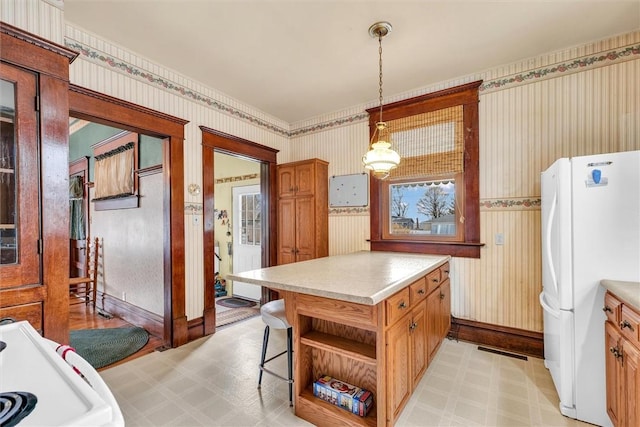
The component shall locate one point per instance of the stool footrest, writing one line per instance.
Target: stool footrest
(276, 356)
(263, 369)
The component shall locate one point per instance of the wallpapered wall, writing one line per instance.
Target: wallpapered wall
(577, 101)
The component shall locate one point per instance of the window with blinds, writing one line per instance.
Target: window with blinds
(430, 202)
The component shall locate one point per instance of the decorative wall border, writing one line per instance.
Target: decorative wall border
(192, 208)
(356, 210)
(493, 205)
(236, 178)
(512, 204)
(625, 53)
(355, 118)
(123, 67)
(622, 54)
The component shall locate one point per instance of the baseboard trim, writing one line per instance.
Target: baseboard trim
(511, 339)
(195, 329)
(153, 323)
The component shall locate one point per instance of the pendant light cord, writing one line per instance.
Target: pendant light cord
(380, 65)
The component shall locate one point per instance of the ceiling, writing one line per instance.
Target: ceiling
(298, 59)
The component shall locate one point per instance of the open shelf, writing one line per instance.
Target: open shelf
(331, 412)
(355, 350)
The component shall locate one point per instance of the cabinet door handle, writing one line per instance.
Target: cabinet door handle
(420, 291)
(412, 326)
(402, 305)
(616, 352)
(625, 324)
(607, 308)
(441, 295)
(435, 280)
(446, 271)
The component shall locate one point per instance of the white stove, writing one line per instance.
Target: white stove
(33, 374)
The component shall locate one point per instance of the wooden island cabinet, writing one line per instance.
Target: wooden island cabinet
(362, 318)
(622, 353)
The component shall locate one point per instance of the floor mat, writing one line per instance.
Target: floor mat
(102, 347)
(235, 315)
(234, 302)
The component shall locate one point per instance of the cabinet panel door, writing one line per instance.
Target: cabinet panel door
(445, 308)
(286, 231)
(612, 338)
(631, 378)
(305, 228)
(305, 179)
(286, 181)
(398, 367)
(19, 177)
(419, 342)
(433, 322)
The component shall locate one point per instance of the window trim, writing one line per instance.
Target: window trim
(467, 96)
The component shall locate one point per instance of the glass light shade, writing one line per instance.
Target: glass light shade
(381, 159)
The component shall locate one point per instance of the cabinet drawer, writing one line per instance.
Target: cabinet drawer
(444, 272)
(397, 305)
(630, 324)
(29, 312)
(418, 291)
(611, 308)
(433, 280)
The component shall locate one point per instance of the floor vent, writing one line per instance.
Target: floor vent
(502, 353)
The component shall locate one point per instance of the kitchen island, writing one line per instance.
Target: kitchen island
(371, 319)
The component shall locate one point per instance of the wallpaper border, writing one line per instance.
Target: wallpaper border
(587, 62)
(101, 58)
(511, 204)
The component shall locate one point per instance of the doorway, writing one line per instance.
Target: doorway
(99, 108)
(129, 274)
(213, 143)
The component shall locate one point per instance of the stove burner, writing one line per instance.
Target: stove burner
(14, 406)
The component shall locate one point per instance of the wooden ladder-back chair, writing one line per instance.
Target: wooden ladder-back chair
(83, 289)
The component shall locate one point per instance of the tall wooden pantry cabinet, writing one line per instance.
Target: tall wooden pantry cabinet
(34, 191)
(303, 211)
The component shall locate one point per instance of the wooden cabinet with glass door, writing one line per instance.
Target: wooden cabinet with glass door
(34, 205)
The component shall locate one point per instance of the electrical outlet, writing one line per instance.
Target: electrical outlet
(499, 239)
(124, 296)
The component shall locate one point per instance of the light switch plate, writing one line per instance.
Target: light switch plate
(499, 239)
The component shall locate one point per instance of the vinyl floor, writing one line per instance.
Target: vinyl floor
(212, 382)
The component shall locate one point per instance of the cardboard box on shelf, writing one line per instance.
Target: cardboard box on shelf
(353, 399)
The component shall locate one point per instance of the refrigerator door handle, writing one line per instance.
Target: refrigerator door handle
(547, 249)
(546, 307)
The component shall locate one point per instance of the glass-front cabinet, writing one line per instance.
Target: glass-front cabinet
(34, 186)
(19, 171)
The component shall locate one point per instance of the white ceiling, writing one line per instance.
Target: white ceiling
(299, 59)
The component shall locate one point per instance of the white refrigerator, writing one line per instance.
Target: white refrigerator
(590, 232)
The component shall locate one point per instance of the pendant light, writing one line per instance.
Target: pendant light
(380, 159)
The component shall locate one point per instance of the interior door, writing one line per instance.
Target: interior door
(247, 238)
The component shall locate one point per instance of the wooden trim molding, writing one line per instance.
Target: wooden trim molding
(100, 108)
(510, 339)
(467, 96)
(213, 140)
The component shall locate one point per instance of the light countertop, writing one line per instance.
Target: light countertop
(628, 292)
(361, 277)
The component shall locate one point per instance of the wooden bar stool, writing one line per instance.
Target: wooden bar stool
(274, 316)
